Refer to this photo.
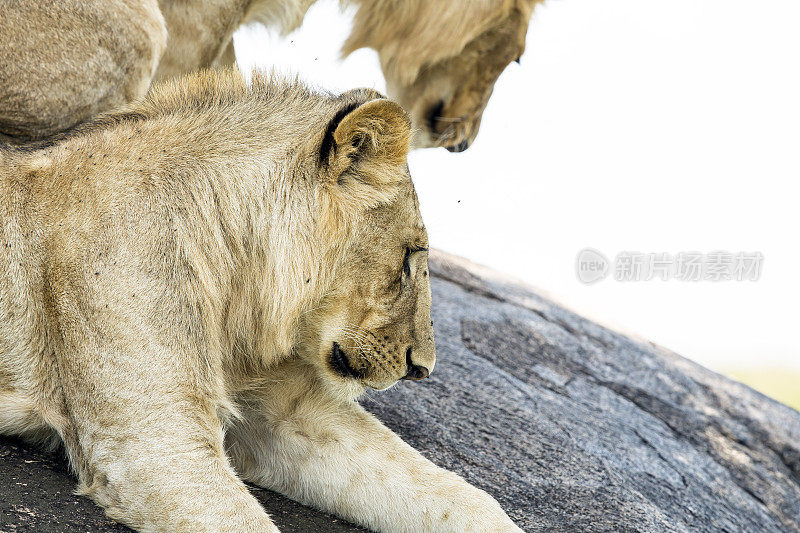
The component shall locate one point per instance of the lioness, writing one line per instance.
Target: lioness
(194, 291)
(63, 61)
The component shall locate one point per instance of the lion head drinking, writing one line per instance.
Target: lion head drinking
(440, 58)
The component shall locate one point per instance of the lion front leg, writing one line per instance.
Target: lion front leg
(336, 456)
(160, 467)
(168, 483)
(147, 445)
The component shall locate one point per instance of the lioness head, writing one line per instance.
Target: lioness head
(441, 59)
(373, 326)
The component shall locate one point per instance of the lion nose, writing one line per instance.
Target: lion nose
(414, 371)
(460, 147)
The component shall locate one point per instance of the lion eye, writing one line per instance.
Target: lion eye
(407, 256)
(406, 265)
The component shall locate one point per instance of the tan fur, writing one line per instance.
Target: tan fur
(64, 61)
(174, 281)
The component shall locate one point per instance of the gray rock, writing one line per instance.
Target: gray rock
(571, 426)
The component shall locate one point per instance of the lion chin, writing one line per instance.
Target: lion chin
(373, 376)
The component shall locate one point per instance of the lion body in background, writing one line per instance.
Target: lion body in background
(193, 292)
(65, 61)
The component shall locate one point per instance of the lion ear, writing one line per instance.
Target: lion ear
(378, 128)
(366, 145)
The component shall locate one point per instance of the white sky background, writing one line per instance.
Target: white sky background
(630, 125)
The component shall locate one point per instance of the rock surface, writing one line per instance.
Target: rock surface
(571, 426)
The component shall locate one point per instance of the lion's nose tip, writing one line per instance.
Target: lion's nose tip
(414, 371)
(460, 147)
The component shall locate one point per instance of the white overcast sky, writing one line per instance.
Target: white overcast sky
(630, 125)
